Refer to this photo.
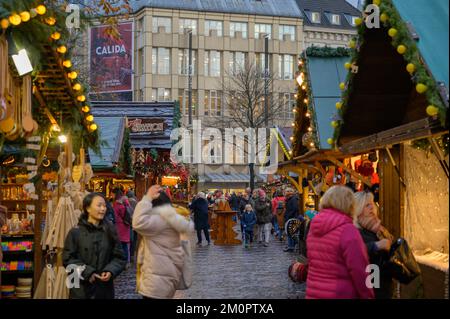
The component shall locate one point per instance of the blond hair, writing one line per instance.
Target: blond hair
(361, 199)
(340, 198)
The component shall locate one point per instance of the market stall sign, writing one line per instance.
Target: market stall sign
(147, 125)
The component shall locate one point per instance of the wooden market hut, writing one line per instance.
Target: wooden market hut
(36, 105)
(397, 103)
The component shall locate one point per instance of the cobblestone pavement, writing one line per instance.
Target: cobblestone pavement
(231, 272)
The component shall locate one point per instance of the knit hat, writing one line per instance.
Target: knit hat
(261, 193)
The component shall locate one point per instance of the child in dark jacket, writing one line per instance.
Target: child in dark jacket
(248, 220)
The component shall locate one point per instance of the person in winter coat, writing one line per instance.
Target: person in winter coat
(337, 256)
(277, 206)
(123, 229)
(200, 208)
(94, 246)
(234, 202)
(291, 211)
(263, 208)
(132, 200)
(377, 239)
(248, 220)
(160, 254)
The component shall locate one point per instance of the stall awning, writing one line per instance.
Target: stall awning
(112, 131)
(232, 178)
(326, 73)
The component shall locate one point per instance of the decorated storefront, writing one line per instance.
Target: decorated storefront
(45, 126)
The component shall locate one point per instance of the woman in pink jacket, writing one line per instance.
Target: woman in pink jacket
(123, 229)
(337, 256)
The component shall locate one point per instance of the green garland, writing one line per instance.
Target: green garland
(412, 55)
(327, 52)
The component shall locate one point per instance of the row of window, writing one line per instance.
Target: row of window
(334, 18)
(212, 62)
(213, 101)
(214, 27)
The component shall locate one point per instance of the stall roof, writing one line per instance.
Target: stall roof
(325, 74)
(430, 21)
(232, 178)
(112, 129)
(141, 110)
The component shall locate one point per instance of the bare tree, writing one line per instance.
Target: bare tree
(244, 95)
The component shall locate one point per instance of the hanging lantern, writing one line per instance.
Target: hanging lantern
(15, 19)
(25, 16)
(50, 21)
(41, 9)
(67, 63)
(62, 49)
(93, 127)
(72, 75)
(56, 35)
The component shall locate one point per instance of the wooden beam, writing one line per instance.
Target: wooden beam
(320, 168)
(350, 171)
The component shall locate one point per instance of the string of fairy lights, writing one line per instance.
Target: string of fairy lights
(16, 19)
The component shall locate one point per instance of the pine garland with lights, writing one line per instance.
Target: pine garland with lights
(304, 134)
(405, 45)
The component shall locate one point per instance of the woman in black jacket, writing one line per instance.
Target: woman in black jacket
(200, 208)
(94, 247)
(377, 239)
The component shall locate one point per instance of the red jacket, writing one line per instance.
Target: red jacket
(123, 230)
(275, 201)
(337, 258)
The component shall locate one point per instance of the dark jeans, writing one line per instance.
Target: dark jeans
(199, 234)
(249, 236)
(125, 250)
(133, 239)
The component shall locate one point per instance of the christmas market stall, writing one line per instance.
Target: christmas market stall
(396, 103)
(147, 145)
(45, 125)
(312, 165)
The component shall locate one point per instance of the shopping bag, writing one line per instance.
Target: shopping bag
(402, 264)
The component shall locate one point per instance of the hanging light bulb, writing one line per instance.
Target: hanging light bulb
(93, 127)
(300, 79)
(304, 87)
(85, 109)
(41, 9)
(310, 129)
(55, 128)
(312, 144)
(50, 21)
(307, 114)
(77, 87)
(62, 49)
(305, 101)
(90, 118)
(62, 139)
(291, 138)
(294, 110)
(67, 63)
(56, 36)
(81, 98)
(293, 124)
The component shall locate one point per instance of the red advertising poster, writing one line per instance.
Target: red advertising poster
(111, 68)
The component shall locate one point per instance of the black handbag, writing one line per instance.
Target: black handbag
(402, 264)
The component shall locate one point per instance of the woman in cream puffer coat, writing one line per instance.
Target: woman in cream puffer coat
(160, 256)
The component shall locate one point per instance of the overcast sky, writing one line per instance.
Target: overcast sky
(353, 2)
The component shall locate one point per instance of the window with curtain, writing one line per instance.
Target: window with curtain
(188, 24)
(287, 100)
(213, 25)
(161, 95)
(183, 61)
(162, 22)
(286, 67)
(212, 63)
(213, 103)
(183, 95)
(238, 27)
(160, 61)
(263, 28)
(287, 30)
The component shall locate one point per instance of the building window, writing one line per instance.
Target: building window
(162, 22)
(237, 62)
(286, 67)
(212, 63)
(184, 97)
(213, 103)
(336, 19)
(263, 28)
(213, 25)
(238, 27)
(345, 38)
(140, 94)
(183, 61)
(261, 62)
(188, 24)
(287, 100)
(353, 21)
(287, 30)
(161, 95)
(160, 61)
(315, 17)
